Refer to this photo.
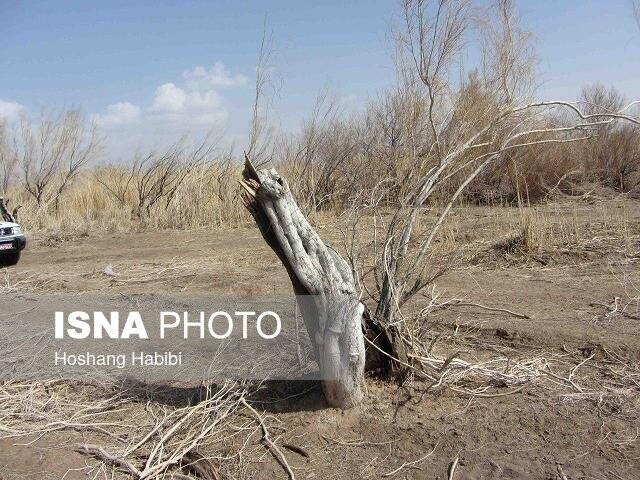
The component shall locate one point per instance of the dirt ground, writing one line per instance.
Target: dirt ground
(588, 256)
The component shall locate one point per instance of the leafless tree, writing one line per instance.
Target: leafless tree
(597, 98)
(155, 177)
(54, 152)
(8, 163)
(8, 157)
(508, 58)
(454, 123)
(260, 131)
(324, 156)
(463, 145)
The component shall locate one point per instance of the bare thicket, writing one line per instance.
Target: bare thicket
(324, 157)
(613, 154)
(155, 178)
(440, 99)
(443, 126)
(8, 163)
(260, 142)
(54, 152)
(481, 121)
(8, 157)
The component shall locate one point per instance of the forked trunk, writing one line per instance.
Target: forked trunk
(336, 320)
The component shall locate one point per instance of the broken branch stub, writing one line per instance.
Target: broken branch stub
(322, 281)
(4, 212)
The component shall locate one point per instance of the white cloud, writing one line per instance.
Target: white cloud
(169, 98)
(172, 99)
(217, 76)
(204, 101)
(121, 113)
(193, 105)
(10, 110)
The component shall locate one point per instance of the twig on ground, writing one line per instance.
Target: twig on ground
(460, 303)
(615, 310)
(413, 463)
(110, 459)
(268, 443)
(296, 449)
(563, 476)
(452, 468)
(356, 443)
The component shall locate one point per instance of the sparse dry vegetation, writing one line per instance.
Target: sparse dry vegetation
(332, 159)
(495, 236)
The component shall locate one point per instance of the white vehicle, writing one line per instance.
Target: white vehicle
(12, 242)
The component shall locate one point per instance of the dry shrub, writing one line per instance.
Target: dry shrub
(526, 176)
(325, 160)
(106, 199)
(613, 160)
(327, 164)
(333, 158)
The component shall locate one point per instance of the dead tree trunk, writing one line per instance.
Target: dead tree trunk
(5, 214)
(322, 281)
(337, 322)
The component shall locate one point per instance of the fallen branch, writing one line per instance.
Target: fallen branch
(101, 454)
(200, 466)
(268, 443)
(296, 449)
(460, 303)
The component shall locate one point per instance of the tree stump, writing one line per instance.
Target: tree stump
(322, 281)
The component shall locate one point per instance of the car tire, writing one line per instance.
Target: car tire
(9, 259)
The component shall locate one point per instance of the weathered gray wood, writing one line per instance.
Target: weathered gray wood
(321, 279)
(4, 212)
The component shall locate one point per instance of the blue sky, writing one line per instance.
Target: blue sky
(150, 70)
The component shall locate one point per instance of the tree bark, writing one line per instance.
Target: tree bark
(4, 212)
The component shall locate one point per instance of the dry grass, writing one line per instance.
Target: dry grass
(206, 198)
(113, 198)
(495, 368)
(570, 227)
(211, 432)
